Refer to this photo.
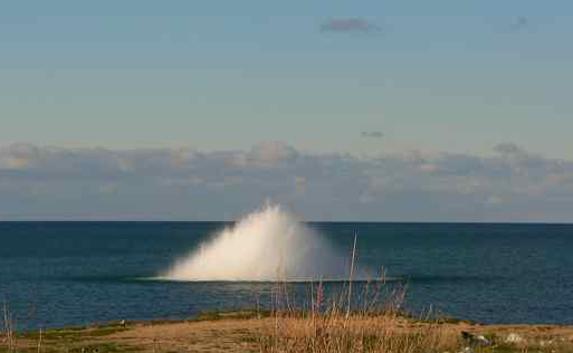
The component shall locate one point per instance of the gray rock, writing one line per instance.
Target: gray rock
(513, 338)
(475, 340)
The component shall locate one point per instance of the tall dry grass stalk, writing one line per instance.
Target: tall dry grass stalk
(372, 327)
(351, 275)
(40, 342)
(8, 328)
(370, 321)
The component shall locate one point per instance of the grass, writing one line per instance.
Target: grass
(373, 323)
(336, 332)
(232, 315)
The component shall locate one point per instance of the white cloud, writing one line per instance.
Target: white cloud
(270, 153)
(50, 182)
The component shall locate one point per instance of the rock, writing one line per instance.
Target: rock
(475, 340)
(483, 341)
(466, 350)
(513, 338)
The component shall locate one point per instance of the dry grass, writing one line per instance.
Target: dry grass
(8, 329)
(373, 322)
(368, 322)
(357, 333)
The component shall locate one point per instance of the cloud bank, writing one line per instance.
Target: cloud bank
(511, 184)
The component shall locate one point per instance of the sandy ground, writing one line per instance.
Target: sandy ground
(240, 335)
(202, 336)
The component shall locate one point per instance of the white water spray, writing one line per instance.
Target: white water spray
(267, 245)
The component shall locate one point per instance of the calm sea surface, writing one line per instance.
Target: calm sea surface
(74, 273)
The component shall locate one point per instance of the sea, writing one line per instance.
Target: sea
(55, 274)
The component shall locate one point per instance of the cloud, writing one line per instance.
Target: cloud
(19, 156)
(348, 25)
(39, 182)
(271, 153)
(508, 148)
(372, 134)
(519, 23)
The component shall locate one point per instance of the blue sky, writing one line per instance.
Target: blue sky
(362, 79)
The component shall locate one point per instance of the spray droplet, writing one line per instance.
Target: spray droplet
(267, 245)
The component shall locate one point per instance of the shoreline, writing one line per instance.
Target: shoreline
(241, 331)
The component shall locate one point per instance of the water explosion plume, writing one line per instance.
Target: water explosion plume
(267, 245)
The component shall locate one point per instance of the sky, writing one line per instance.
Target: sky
(364, 110)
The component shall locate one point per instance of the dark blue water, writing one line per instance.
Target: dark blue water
(56, 274)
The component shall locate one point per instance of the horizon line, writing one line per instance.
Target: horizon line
(307, 222)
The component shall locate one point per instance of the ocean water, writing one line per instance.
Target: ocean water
(74, 273)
